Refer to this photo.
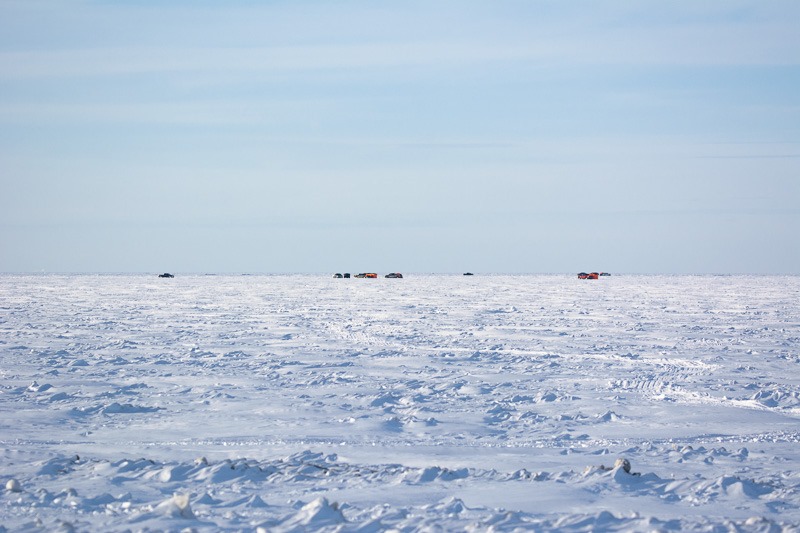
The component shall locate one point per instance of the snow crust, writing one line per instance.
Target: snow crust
(433, 402)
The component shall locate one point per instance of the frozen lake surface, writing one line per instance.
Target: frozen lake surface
(293, 403)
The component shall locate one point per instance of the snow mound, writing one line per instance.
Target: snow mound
(775, 396)
(126, 408)
(434, 473)
(315, 515)
(35, 387)
(176, 507)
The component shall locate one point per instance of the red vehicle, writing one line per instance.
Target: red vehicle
(593, 275)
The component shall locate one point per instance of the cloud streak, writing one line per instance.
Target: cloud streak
(760, 44)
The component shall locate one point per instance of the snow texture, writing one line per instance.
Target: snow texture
(481, 403)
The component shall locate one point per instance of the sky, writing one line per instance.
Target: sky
(494, 136)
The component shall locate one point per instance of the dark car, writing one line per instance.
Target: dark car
(393, 275)
(166, 275)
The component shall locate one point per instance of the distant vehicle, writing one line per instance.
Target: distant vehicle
(584, 275)
(367, 275)
(468, 274)
(347, 275)
(338, 276)
(604, 274)
(393, 275)
(166, 275)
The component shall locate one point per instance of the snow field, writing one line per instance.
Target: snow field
(475, 403)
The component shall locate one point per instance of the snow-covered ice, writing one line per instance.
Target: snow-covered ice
(477, 403)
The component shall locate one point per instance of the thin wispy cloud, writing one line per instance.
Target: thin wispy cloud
(676, 47)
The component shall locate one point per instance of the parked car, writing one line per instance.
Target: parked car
(166, 275)
(393, 275)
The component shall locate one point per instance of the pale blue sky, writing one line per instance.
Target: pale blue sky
(497, 136)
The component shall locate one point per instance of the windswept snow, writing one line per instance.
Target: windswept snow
(294, 403)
